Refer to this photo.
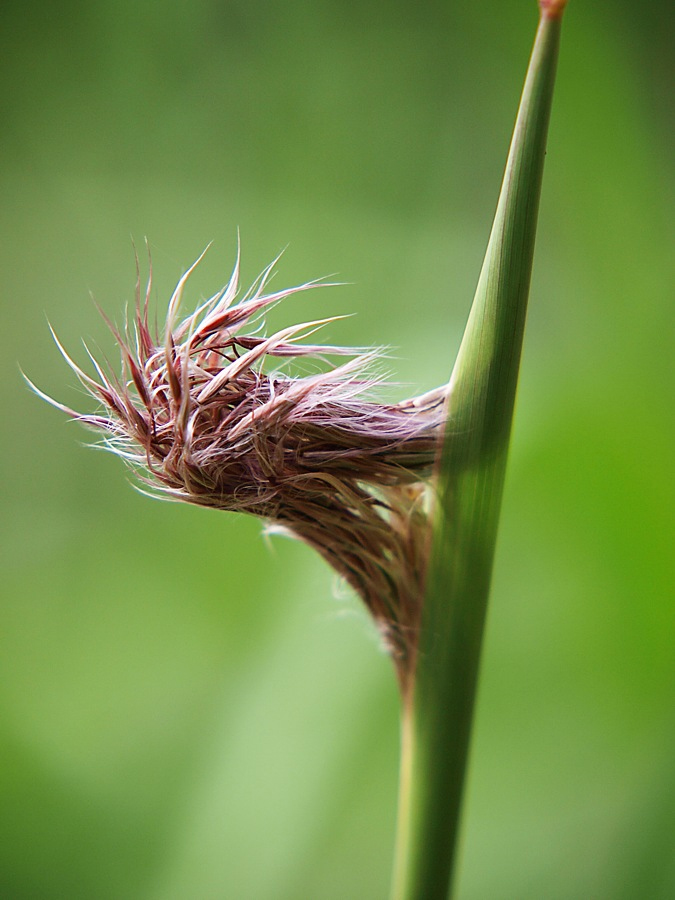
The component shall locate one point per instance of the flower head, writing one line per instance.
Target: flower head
(208, 414)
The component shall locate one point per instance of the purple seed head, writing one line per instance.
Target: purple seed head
(208, 413)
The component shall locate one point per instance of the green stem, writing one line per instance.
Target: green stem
(438, 709)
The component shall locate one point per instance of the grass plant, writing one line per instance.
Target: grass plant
(402, 499)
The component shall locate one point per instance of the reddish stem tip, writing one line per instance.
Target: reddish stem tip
(552, 9)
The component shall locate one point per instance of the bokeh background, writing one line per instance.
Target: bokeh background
(190, 713)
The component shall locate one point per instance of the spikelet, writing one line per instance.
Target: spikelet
(202, 416)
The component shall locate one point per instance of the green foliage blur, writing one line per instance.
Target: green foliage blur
(191, 712)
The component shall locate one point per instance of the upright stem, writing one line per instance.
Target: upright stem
(438, 709)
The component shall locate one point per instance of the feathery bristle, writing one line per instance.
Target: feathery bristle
(200, 419)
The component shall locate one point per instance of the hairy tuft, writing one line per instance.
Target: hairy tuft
(208, 413)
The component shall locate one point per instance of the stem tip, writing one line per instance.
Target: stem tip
(552, 9)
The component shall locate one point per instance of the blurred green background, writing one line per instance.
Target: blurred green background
(189, 713)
